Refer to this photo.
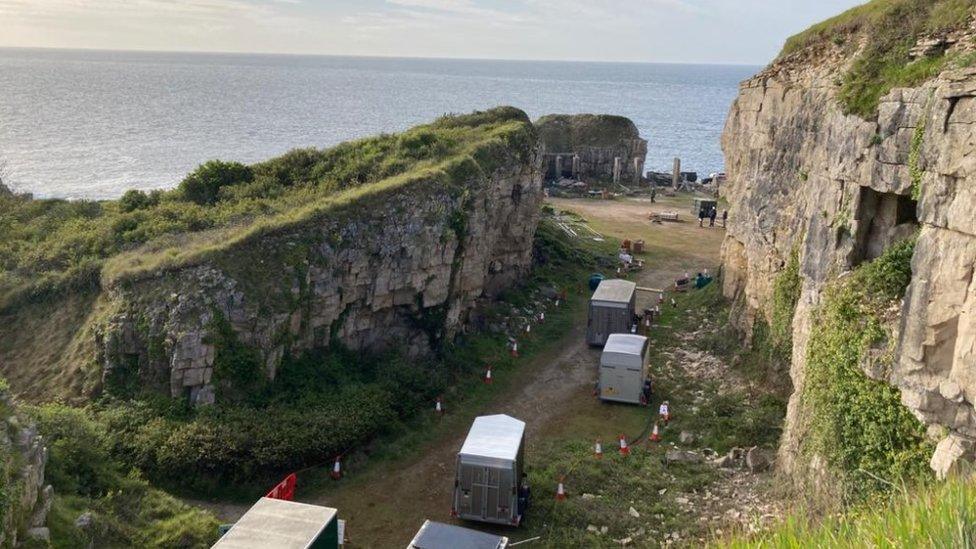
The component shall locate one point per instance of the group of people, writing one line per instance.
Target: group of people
(711, 214)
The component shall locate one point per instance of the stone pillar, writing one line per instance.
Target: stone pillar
(576, 166)
(638, 169)
(676, 176)
(616, 169)
(559, 167)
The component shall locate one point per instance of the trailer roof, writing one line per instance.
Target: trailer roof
(497, 437)
(437, 535)
(277, 523)
(625, 344)
(615, 291)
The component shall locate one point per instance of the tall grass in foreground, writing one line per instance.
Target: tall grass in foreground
(942, 515)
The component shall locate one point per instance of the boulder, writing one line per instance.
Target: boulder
(758, 460)
(686, 438)
(681, 456)
(39, 534)
(85, 520)
(954, 455)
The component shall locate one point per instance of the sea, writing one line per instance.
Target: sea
(92, 124)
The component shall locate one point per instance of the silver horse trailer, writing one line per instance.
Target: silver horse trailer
(489, 467)
(612, 310)
(623, 368)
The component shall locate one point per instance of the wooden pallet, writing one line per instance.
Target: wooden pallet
(665, 216)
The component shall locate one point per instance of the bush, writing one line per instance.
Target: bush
(79, 448)
(203, 184)
(135, 199)
(86, 475)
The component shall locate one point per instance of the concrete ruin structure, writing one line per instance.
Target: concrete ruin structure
(591, 147)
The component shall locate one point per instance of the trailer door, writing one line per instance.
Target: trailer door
(496, 496)
(470, 496)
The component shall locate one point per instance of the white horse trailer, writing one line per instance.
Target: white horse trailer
(623, 368)
(489, 468)
(612, 309)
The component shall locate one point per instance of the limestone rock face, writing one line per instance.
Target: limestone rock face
(837, 188)
(591, 147)
(406, 271)
(30, 497)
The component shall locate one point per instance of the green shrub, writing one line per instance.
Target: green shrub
(88, 476)
(80, 462)
(238, 369)
(203, 185)
(856, 423)
(322, 403)
(135, 199)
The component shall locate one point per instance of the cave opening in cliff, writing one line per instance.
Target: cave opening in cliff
(882, 219)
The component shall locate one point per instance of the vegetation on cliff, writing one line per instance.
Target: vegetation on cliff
(125, 511)
(933, 516)
(564, 133)
(858, 424)
(324, 402)
(49, 245)
(786, 292)
(881, 34)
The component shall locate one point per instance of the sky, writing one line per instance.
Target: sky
(672, 31)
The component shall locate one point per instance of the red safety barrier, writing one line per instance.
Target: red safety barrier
(285, 489)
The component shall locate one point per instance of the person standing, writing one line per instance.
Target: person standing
(665, 412)
(725, 217)
(653, 192)
(701, 217)
(711, 216)
(524, 495)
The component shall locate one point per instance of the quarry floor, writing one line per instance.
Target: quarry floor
(385, 503)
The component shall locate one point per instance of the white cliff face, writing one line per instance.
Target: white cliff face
(804, 176)
(405, 270)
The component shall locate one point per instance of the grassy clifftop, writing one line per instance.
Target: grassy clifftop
(50, 245)
(880, 34)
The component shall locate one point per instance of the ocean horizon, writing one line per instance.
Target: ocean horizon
(93, 123)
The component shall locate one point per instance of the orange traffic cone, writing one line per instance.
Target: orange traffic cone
(598, 449)
(336, 469)
(515, 349)
(624, 449)
(439, 406)
(560, 491)
(488, 375)
(655, 435)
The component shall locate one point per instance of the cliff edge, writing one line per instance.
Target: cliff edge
(836, 169)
